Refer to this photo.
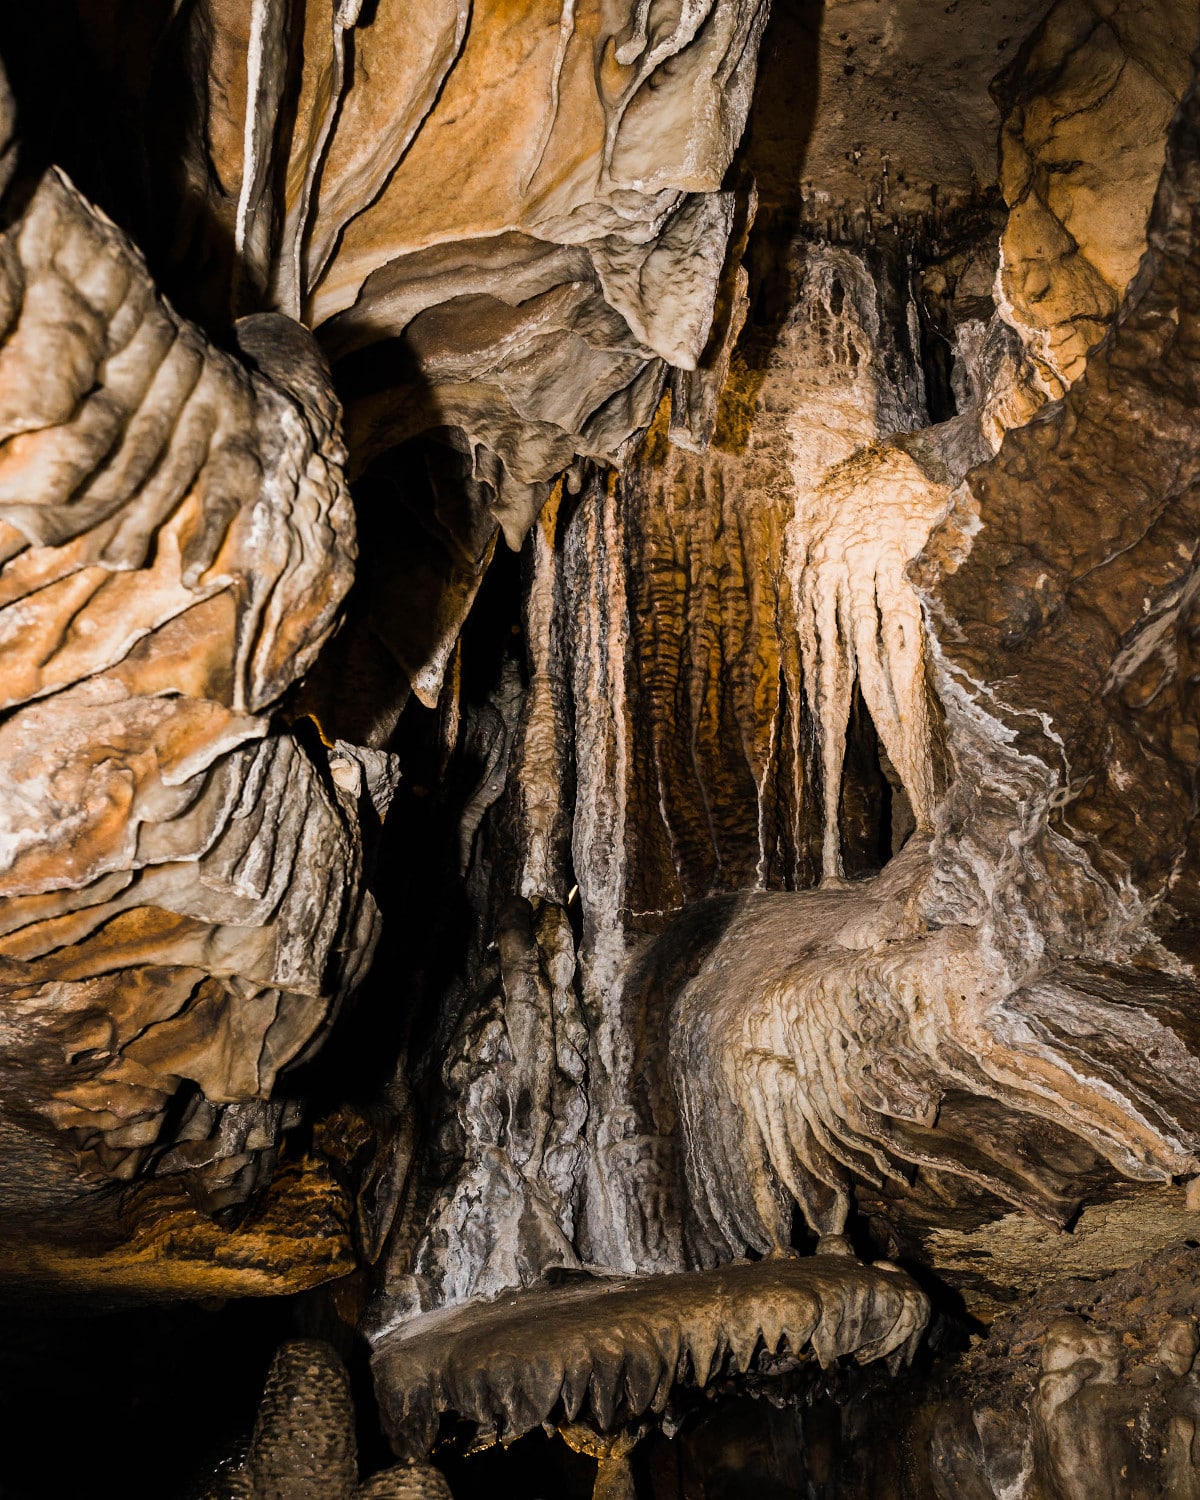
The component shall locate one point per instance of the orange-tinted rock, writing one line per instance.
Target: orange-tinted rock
(176, 877)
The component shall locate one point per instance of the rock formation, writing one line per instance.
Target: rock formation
(183, 906)
(1076, 225)
(303, 1443)
(613, 1352)
(597, 726)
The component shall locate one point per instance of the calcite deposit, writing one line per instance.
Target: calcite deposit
(182, 897)
(609, 1353)
(303, 1444)
(598, 755)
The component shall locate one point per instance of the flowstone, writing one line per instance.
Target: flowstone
(606, 1355)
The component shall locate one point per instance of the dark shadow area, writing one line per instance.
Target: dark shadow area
(112, 94)
(154, 1398)
(136, 1404)
(839, 1431)
(786, 99)
(875, 817)
(730, 1447)
(428, 922)
(537, 1465)
(864, 801)
(727, 1447)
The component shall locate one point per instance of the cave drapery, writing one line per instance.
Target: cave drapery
(599, 746)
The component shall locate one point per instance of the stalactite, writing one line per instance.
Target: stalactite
(852, 541)
(629, 1222)
(605, 1354)
(796, 846)
(999, 960)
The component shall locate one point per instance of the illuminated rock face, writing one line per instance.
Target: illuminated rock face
(503, 223)
(183, 898)
(304, 1446)
(740, 629)
(612, 1353)
(1018, 944)
(1077, 223)
(538, 238)
(182, 904)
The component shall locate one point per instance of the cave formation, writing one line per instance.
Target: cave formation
(599, 861)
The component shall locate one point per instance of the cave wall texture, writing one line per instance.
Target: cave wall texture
(599, 746)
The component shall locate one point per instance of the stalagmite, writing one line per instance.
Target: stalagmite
(304, 1442)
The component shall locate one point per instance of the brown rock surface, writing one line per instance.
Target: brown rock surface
(526, 318)
(749, 673)
(1087, 1390)
(882, 114)
(1024, 949)
(304, 1446)
(1083, 530)
(183, 909)
(162, 1248)
(606, 1353)
(503, 223)
(797, 839)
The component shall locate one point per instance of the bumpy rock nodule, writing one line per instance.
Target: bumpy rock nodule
(303, 1446)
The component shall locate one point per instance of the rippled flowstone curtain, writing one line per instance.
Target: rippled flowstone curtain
(182, 897)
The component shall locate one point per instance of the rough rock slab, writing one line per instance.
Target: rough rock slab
(609, 1351)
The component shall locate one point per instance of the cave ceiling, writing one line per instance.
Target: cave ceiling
(598, 734)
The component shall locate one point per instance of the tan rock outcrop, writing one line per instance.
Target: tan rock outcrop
(503, 224)
(1064, 1388)
(816, 818)
(181, 883)
(1086, 107)
(979, 1013)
